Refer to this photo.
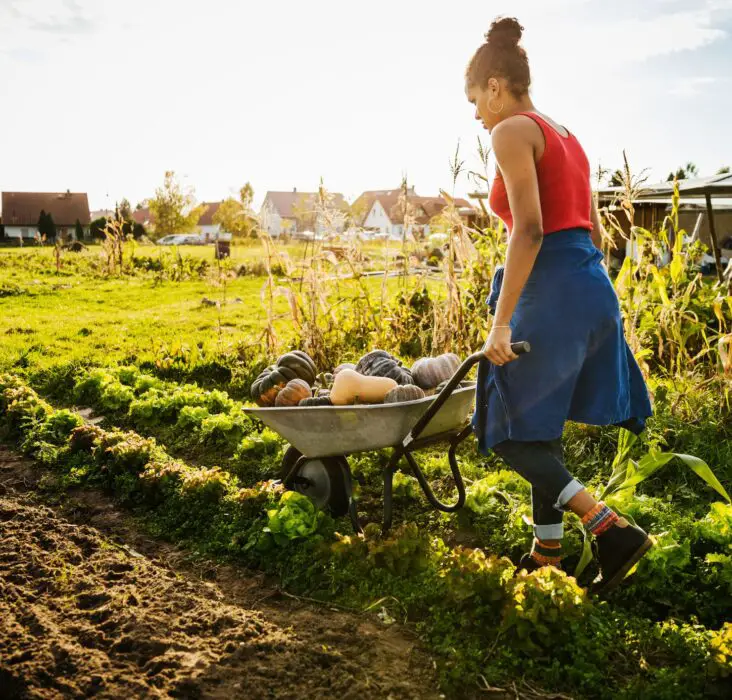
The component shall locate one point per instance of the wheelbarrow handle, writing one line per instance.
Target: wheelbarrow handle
(520, 347)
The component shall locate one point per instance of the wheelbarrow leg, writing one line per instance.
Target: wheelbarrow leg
(454, 468)
(389, 470)
(353, 515)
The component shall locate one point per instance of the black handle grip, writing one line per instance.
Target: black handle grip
(520, 347)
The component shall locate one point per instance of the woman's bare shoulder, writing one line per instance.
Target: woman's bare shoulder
(513, 131)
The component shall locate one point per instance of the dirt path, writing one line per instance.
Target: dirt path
(90, 607)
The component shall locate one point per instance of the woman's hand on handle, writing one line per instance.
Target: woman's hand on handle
(498, 346)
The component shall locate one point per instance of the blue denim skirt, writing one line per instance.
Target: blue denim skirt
(580, 367)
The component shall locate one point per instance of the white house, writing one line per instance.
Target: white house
(21, 211)
(290, 212)
(385, 211)
(205, 223)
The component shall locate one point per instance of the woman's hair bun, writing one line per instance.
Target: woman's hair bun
(504, 32)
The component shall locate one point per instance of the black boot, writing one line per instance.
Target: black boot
(530, 564)
(618, 549)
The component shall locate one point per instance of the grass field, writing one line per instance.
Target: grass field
(47, 318)
(168, 374)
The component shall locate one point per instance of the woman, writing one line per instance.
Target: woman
(555, 293)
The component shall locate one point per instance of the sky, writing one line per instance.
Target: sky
(104, 96)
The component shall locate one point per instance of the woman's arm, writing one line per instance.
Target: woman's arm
(514, 150)
(597, 228)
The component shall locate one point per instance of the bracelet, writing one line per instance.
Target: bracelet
(494, 326)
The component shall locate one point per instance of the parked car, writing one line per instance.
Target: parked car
(172, 239)
(181, 239)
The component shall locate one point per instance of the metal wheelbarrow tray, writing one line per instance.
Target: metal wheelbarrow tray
(322, 436)
(330, 431)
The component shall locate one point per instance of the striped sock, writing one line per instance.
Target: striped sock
(598, 519)
(546, 554)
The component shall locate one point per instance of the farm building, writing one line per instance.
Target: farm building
(293, 212)
(21, 211)
(705, 209)
(386, 212)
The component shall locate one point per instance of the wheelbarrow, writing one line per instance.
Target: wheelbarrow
(322, 437)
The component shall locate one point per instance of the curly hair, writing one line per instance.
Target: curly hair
(501, 57)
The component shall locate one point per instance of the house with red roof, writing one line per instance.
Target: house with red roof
(21, 210)
(295, 212)
(387, 210)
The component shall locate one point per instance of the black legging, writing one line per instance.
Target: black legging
(541, 463)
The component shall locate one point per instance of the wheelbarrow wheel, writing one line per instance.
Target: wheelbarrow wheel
(326, 481)
(289, 460)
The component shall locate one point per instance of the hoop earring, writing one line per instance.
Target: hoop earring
(494, 111)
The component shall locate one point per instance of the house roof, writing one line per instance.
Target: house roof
(698, 187)
(24, 208)
(207, 216)
(283, 202)
(142, 216)
(367, 198)
(424, 207)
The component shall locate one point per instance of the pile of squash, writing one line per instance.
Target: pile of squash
(378, 377)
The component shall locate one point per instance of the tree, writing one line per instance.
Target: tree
(46, 226)
(684, 172)
(96, 228)
(616, 179)
(173, 208)
(724, 170)
(236, 216)
(125, 210)
(79, 230)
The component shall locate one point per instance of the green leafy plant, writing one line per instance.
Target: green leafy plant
(541, 607)
(295, 517)
(720, 663)
(628, 473)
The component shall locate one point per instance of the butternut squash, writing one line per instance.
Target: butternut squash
(351, 387)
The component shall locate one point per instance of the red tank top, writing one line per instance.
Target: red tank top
(564, 183)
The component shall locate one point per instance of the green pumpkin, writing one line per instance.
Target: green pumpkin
(428, 372)
(316, 401)
(462, 385)
(379, 363)
(407, 392)
(344, 365)
(300, 363)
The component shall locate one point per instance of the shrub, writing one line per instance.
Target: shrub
(720, 645)
(118, 451)
(717, 525)
(84, 438)
(59, 426)
(404, 552)
(88, 388)
(470, 574)
(207, 485)
(541, 607)
(116, 397)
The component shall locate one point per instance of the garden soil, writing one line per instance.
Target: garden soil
(91, 607)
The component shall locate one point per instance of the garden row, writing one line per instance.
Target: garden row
(211, 428)
(476, 612)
